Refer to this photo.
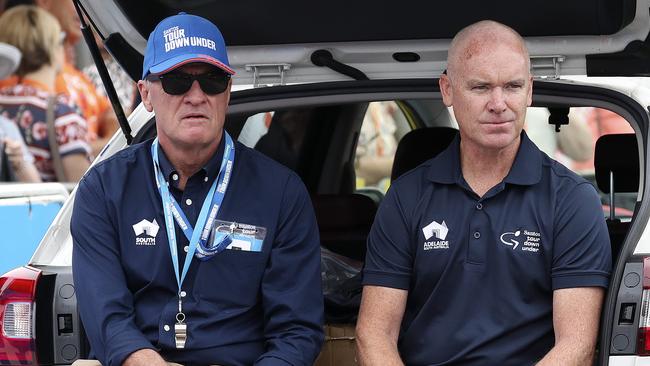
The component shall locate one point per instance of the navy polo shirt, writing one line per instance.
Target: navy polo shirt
(242, 307)
(481, 271)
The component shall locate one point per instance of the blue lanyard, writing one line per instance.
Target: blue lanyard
(206, 217)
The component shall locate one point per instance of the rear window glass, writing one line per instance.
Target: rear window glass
(24, 222)
(574, 145)
(384, 124)
(302, 138)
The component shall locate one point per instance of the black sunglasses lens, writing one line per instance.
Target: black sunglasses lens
(176, 84)
(180, 83)
(212, 83)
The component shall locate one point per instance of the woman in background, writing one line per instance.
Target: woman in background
(32, 104)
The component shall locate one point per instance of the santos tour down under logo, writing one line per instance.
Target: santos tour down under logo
(527, 240)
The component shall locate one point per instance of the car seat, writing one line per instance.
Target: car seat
(344, 221)
(420, 145)
(616, 162)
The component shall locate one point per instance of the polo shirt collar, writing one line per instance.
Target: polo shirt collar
(210, 169)
(525, 170)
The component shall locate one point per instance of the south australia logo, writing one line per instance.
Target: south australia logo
(435, 234)
(145, 232)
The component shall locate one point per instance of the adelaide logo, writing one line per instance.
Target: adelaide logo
(437, 231)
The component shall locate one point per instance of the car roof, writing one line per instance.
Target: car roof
(384, 39)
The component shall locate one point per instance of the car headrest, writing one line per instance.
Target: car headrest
(619, 154)
(420, 145)
(344, 222)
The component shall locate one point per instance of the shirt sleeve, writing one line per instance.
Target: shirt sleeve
(389, 260)
(582, 252)
(105, 303)
(292, 296)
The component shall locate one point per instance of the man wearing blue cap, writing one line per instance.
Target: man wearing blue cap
(243, 283)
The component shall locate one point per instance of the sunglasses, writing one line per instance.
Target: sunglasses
(178, 83)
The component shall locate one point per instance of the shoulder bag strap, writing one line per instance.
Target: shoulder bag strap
(51, 136)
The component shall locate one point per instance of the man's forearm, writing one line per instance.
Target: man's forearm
(375, 351)
(144, 357)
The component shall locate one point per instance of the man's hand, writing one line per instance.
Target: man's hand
(14, 152)
(144, 357)
(24, 171)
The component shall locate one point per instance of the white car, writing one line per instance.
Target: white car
(325, 64)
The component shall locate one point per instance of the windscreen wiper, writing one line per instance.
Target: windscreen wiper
(103, 74)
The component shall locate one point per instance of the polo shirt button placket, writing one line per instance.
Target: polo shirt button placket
(477, 235)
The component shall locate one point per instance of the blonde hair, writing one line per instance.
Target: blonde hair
(35, 32)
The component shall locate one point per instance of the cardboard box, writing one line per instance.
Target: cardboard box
(339, 348)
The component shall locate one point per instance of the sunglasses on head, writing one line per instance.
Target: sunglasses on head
(177, 83)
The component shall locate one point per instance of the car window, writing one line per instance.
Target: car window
(254, 128)
(278, 134)
(24, 222)
(384, 124)
(289, 136)
(574, 145)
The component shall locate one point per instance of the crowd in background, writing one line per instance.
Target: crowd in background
(54, 113)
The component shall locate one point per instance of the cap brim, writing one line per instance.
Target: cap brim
(9, 59)
(181, 60)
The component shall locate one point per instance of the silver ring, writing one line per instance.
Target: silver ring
(180, 317)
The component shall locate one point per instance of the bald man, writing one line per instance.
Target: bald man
(490, 253)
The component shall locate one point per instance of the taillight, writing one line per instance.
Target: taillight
(17, 293)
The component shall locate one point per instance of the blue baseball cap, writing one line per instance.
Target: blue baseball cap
(181, 39)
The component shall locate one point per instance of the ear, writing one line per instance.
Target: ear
(530, 91)
(228, 92)
(446, 90)
(145, 94)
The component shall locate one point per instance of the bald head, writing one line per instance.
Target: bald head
(480, 37)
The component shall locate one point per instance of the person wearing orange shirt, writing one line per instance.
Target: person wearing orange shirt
(83, 95)
(54, 133)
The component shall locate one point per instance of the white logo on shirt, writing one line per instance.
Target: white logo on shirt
(439, 231)
(531, 240)
(145, 232)
(507, 238)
